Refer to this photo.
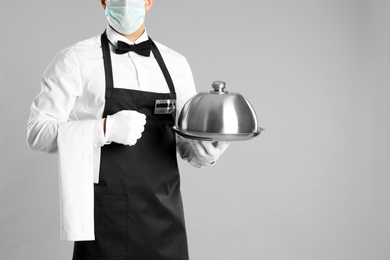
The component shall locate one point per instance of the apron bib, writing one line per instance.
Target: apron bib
(138, 206)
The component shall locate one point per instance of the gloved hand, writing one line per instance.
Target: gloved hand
(125, 127)
(208, 152)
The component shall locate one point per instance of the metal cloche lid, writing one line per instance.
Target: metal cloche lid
(218, 115)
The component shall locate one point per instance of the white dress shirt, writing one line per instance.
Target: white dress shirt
(66, 116)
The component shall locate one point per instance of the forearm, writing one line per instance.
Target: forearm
(41, 134)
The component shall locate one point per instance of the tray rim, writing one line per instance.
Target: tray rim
(220, 137)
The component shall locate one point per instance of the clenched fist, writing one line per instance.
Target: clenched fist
(125, 127)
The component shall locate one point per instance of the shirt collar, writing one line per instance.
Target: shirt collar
(113, 36)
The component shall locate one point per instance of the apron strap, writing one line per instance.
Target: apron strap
(163, 67)
(108, 66)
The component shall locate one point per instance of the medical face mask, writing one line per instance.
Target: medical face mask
(125, 16)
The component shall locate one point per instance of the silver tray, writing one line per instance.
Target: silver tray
(217, 136)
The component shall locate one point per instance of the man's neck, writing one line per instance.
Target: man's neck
(135, 35)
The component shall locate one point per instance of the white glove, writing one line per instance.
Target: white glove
(208, 152)
(125, 127)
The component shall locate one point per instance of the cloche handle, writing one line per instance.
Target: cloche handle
(219, 87)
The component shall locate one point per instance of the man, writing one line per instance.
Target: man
(110, 120)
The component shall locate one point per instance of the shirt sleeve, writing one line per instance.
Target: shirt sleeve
(50, 130)
(60, 87)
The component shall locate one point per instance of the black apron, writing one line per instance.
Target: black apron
(138, 206)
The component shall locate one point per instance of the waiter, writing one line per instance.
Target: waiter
(107, 105)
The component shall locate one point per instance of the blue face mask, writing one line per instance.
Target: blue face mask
(125, 16)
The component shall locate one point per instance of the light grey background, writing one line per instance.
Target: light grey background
(314, 185)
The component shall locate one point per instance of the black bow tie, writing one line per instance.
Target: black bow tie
(142, 49)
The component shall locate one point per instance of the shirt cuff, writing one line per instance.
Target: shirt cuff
(98, 128)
